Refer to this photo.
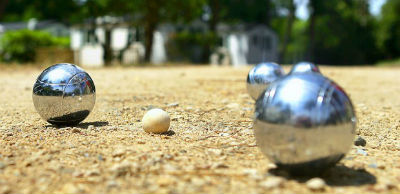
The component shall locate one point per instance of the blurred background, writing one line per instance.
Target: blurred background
(98, 33)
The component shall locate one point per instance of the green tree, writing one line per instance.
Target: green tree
(288, 6)
(15, 48)
(151, 13)
(89, 11)
(3, 5)
(238, 11)
(17, 10)
(388, 29)
(341, 32)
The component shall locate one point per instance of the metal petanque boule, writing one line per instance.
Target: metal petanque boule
(261, 76)
(64, 94)
(305, 123)
(304, 67)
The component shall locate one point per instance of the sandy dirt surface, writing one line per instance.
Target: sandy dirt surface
(210, 147)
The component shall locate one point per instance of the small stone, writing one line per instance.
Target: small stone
(234, 143)
(225, 101)
(219, 165)
(112, 128)
(361, 152)
(78, 174)
(390, 185)
(75, 130)
(197, 181)
(215, 152)
(90, 127)
(2, 165)
(5, 190)
(233, 106)
(360, 141)
(164, 181)
(224, 134)
(112, 183)
(168, 156)
(121, 169)
(100, 157)
(149, 107)
(271, 166)
(70, 188)
(169, 168)
(93, 172)
(316, 184)
(175, 104)
(252, 173)
(65, 128)
(272, 182)
(119, 152)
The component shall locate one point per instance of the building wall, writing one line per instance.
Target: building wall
(263, 45)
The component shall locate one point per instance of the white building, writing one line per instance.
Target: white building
(87, 43)
(249, 44)
(241, 44)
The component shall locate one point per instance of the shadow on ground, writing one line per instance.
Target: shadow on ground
(83, 125)
(168, 133)
(336, 176)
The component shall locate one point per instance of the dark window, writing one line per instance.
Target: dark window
(255, 40)
(262, 42)
(267, 43)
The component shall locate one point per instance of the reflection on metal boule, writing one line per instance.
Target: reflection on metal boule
(64, 94)
(261, 76)
(304, 67)
(304, 123)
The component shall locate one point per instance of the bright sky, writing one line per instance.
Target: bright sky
(302, 12)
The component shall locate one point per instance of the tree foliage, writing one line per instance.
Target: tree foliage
(388, 29)
(341, 32)
(337, 31)
(17, 10)
(14, 45)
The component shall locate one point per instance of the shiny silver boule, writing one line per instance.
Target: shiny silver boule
(304, 123)
(64, 94)
(304, 67)
(261, 76)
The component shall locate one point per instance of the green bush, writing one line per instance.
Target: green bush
(192, 47)
(20, 46)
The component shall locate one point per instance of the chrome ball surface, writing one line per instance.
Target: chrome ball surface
(304, 67)
(261, 76)
(304, 123)
(64, 94)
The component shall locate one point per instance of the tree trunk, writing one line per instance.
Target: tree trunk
(3, 5)
(269, 12)
(311, 31)
(150, 28)
(215, 8)
(212, 25)
(288, 33)
(108, 55)
(151, 20)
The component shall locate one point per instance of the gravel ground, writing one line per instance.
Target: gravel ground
(210, 147)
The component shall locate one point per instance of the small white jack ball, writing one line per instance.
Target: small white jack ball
(156, 121)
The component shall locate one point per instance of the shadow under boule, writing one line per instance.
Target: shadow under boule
(338, 175)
